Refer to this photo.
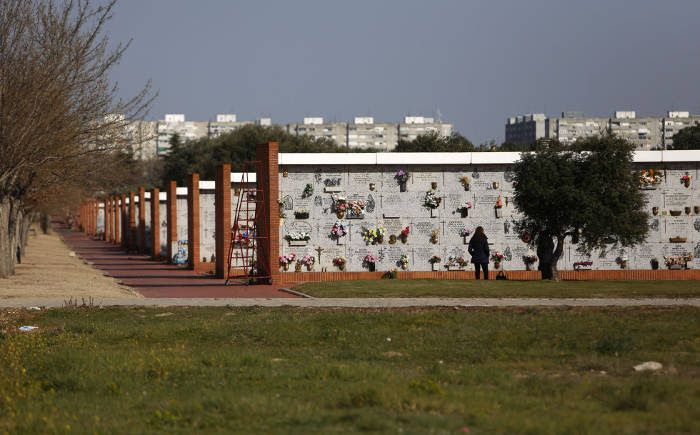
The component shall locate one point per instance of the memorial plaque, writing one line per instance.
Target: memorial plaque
(422, 178)
(677, 200)
(421, 255)
(674, 173)
(606, 260)
(484, 204)
(642, 255)
(359, 178)
(676, 227)
(454, 200)
(675, 249)
(452, 177)
(327, 256)
(655, 230)
(393, 204)
(452, 229)
(391, 255)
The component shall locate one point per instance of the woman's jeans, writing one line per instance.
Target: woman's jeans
(485, 267)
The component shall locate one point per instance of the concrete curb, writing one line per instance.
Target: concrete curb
(296, 293)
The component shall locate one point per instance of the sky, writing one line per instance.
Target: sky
(474, 62)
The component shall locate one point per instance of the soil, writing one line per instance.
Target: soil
(50, 270)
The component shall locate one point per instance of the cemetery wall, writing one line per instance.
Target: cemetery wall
(458, 178)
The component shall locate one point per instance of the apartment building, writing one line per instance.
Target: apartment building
(645, 133)
(363, 132)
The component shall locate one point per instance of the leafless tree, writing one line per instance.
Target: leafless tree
(61, 121)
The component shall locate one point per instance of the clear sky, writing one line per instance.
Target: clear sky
(477, 62)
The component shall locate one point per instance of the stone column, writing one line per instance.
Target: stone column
(193, 259)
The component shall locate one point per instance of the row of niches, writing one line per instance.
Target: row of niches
(417, 178)
(504, 256)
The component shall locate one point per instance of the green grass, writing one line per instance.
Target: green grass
(296, 370)
(392, 288)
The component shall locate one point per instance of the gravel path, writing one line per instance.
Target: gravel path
(361, 302)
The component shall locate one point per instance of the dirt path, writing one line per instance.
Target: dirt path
(50, 270)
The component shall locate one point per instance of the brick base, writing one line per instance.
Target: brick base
(517, 275)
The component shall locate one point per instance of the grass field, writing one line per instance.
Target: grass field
(500, 289)
(259, 370)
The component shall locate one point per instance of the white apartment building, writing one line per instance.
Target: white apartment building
(363, 132)
(646, 133)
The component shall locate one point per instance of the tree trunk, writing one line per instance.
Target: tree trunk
(26, 223)
(9, 213)
(45, 223)
(555, 257)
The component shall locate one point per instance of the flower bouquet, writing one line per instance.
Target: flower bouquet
(529, 260)
(404, 261)
(339, 230)
(434, 236)
(465, 232)
(308, 261)
(308, 191)
(402, 177)
(678, 261)
(578, 265)
(455, 263)
(432, 201)
(340, 262)
(370, 261)
(650, 179)
(373, 236)
(280, 203)
(297, 238)
(685, 180)
(404, 234)
(434, 261)
(497, 257)
(340, 205)
(286, 260)
(356, 209)
(464, 208)
(302, 214)
(465, 182)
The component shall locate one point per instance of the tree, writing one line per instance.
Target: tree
(687, 139)
(237, 147)
(61, 123)
(435, 143)
(589, 192)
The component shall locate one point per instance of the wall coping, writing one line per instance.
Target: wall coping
(481, 158)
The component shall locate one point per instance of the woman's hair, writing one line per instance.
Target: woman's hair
(479, 235)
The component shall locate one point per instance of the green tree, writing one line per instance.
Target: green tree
(589, 192)
(687, 139)
(237, 147)
(435, 143)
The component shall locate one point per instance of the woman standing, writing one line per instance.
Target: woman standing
(479, 250)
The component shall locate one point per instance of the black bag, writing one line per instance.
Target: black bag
(501, 275)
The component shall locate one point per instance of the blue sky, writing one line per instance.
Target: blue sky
(477, 62)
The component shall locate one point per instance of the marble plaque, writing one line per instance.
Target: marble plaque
(676, 227)
(677, 200)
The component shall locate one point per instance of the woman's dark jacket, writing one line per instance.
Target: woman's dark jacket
(479, 250)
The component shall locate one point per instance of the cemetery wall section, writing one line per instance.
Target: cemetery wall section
(371, 178)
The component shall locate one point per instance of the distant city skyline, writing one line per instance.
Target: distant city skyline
(478, 63)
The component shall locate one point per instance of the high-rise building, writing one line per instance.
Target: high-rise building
(645, 133)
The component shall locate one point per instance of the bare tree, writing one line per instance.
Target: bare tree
(61, 121)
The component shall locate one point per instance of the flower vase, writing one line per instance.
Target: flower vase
(655, 210)
(342, 267)
(297, 267)
(687, 210)
(402, 187)
(464, 212)
(466, 240)
(404, 266)
(433, 213)
(686, 182)
(404, 238)
(340, 214)
(499, 212)
(340, 241)
(496, 265)
(371, 267)
(380, 240)
(697, 209)
(285, 267)
(310, 267)
(435, 266)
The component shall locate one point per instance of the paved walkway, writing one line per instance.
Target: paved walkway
(365, 302)
(155, 279)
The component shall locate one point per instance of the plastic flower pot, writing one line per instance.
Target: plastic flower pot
(436, 267)
(340, 214)
(371, 266)
(402, 187)
(286, 266)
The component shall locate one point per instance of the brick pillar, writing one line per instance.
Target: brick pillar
(115, 220)
(268, 224)
(132, 222)
(93, 220)
(124, 223)
(222, 214)
(142, 220)
(155, 223)
(193, 259)
(172, 219)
